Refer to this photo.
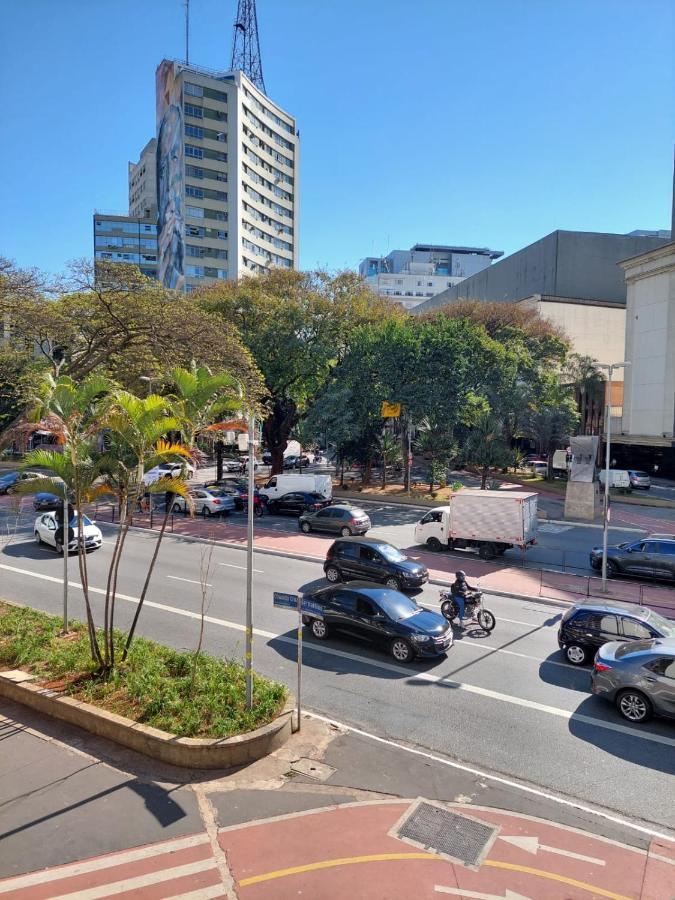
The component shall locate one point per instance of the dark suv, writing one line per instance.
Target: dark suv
(370, 559)
(648, 558)
(587, 626)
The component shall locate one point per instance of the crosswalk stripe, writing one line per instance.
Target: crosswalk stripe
(101, 862)
(141, 881)
(216, 890)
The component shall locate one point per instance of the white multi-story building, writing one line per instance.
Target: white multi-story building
(410, 277)
(143, 183)
(227, 178)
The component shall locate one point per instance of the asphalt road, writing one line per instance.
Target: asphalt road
(506, 702)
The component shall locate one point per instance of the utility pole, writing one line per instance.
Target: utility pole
(249, 562)
(608, 437)
(246, 44)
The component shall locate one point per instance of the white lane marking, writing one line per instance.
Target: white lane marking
(232, 566)
(141, 881)
(104, 862)
(377, 664)
(499, 779)
(188, 580)
(216, 890)
(532, 845)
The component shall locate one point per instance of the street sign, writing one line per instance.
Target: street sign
(303, 605)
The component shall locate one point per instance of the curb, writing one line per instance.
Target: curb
(191, 753)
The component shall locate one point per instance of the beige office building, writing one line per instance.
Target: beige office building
(143, 183)
(227, 178)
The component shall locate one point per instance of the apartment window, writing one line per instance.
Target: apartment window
(194, 171)
(191, 191)
(399, 281)
(195, 111)
(197, 152)
(430, 284)
(194, 131)
(195, 271)
(222, 235)
(195, 211)
(408, 293)
(419, 284)
(148, 257)
(194, 90)
(429, 294)
(194, 231)
(191, 250)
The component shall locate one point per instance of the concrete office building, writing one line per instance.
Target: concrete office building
(227, 178)
(646, 437)
(143, 183)
(126, 239)
(409, 276)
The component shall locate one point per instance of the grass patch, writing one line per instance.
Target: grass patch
(175, 691)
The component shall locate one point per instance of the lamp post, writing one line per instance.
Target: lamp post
(608, 425)
(150, 379)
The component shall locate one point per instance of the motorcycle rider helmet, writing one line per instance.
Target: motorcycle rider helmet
(460, 575)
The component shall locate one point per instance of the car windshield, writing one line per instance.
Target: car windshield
(397, 606)
(217, 492)
(666, 628)
(391, 554)
(632, 647)
(85, 521)
(640, 474)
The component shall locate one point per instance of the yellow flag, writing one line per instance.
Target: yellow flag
(391, 410)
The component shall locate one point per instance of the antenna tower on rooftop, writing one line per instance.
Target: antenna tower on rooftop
(245, 44)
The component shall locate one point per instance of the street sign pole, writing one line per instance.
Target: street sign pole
(65, 562)
(299, 663)
(249, 564)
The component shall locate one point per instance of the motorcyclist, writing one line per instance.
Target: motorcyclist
(460, 590)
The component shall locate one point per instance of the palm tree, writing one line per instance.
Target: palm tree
(485, 446)
(436, 441)
(200, 399)
(138, 427)
(389, 450)
(587, 381)
(70, 411)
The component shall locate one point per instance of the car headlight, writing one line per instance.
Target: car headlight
(420, 638)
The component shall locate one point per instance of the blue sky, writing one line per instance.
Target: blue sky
(488, 123)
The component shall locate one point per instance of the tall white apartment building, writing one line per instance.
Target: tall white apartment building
(143, 183)
(227, 178)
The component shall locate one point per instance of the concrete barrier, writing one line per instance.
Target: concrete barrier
(191, 753)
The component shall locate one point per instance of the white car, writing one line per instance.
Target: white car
(207, 501)
(168, 470)
(47, 530)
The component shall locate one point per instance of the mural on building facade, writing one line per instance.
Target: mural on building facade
(170, 225)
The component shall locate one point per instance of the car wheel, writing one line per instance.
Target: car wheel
(634, 706)
(306, 527)
(434, 544)
(392, 583)
(345, 532)
(576, 654)
(401, 650)
(487, 551)
(38, 539)
(176, 508)
(612, 568)
(258, 511)
(206, 511)
(58, 546)
(319, 629)
(333, 575)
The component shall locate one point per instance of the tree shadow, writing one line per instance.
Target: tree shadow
(30, 550)
(555, 671)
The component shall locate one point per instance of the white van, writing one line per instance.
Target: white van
(278, 485)
(618, 478)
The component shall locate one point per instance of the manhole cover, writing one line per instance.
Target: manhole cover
(312, 768)
(433, 827)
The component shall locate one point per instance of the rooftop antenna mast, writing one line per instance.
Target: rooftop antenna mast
(187, 32)
(245, 44)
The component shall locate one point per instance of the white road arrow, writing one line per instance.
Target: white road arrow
(532, 845)
(476, 895)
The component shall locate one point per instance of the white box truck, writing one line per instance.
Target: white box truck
(489, 522)
(618, 479)
(278, 485)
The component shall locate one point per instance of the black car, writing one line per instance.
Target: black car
(587, 626)
(44, 501)
(371, 559)
(647, 558)
(295, 462)
(10, 482)
(381, 615)
(296, 503)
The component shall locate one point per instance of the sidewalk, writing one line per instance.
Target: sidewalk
(333, 814)
(495, 578)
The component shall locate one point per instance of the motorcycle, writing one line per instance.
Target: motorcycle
(473, 609)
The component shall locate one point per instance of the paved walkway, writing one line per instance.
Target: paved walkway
(331, 815)
(492, 577)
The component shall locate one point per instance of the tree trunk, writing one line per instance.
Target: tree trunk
(219, 460)
(277, 428)
(367, 472)
(384, 473)
(342, 472)
(485, 471)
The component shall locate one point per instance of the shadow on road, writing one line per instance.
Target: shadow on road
(554, 670)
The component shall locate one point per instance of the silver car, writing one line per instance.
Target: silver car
(638, 677)
(639, 481)
(338, 519)
(208, 502)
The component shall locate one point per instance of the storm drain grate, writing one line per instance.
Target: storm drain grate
(433, 827)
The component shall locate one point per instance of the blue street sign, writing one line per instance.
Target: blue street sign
(286, 601)
(310, 607)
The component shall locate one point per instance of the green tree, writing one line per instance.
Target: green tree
(298, 326)
(485, 446)
(389, 451)
(587, 381)
(551, 419)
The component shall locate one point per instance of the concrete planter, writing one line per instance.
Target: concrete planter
(192, 753)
